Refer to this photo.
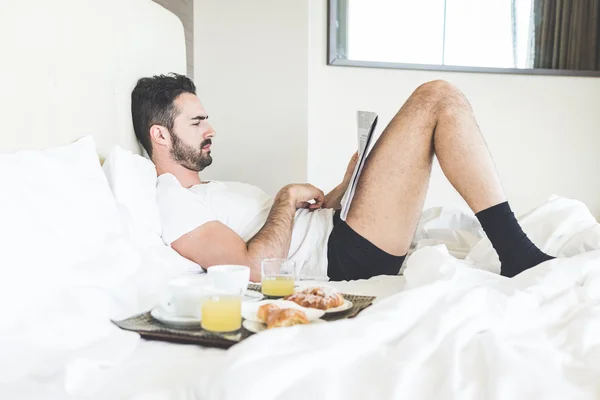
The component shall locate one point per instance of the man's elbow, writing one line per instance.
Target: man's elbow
(255, 275)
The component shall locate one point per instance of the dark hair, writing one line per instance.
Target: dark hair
(152, 103)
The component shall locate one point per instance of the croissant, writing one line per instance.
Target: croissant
(286, 317)
(276, 317)
(265, 310)
(317, 297)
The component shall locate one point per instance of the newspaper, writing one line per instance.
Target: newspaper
(367, 122)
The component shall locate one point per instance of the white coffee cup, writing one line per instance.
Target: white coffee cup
(230, 277)
(185, 295)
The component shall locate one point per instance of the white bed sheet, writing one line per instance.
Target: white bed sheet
(447, 329)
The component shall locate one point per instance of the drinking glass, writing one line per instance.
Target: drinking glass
(222, 309)
(278, 276)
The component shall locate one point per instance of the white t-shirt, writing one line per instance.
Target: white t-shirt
(243, 208)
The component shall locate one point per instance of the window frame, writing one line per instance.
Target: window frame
(336, 45)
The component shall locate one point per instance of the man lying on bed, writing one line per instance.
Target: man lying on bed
(214, 223)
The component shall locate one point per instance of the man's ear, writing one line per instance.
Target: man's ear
(159, 135)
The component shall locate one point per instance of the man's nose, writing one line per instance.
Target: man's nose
(210, 132)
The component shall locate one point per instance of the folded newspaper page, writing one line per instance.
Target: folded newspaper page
(367, 122)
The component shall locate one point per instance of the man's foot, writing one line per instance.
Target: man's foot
(518, 263)
(516, 252)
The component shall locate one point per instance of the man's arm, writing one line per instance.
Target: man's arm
(273, 240)
(215, 244)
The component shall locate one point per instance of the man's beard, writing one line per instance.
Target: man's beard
(189, 157)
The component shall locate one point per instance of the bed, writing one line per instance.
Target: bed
(75, 254)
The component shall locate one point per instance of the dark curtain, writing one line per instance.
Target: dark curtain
(566, 34)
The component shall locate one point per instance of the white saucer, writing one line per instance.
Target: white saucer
(345, 306)
(256, 327)
(253, 295)
(173, 320)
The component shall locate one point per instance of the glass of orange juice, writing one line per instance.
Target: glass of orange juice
(278, 276)
(222, 310)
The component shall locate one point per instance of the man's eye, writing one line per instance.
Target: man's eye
(197, 123)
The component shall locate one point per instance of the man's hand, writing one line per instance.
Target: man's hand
(302, 194)
(349, 171)
(334, 198)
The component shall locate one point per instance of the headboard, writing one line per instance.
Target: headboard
(68, 68)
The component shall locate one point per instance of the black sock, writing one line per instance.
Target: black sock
(516, 252)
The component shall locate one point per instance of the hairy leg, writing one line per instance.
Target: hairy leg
(436, 119)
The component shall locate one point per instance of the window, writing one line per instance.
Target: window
(495, 35)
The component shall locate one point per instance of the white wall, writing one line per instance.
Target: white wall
(543, 132)
(251, 70)
(283, 115)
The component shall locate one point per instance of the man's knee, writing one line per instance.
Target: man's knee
(437, 88)
(442, 93)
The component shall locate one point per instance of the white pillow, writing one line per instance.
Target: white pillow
(55, 205)
(132, 179)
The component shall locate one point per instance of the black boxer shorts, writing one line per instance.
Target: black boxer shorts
(351, 256)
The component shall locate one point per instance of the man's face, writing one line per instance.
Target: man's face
(191, 134)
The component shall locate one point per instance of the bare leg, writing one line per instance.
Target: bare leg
(436, 119)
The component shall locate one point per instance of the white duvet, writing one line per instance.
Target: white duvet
(456, 330)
